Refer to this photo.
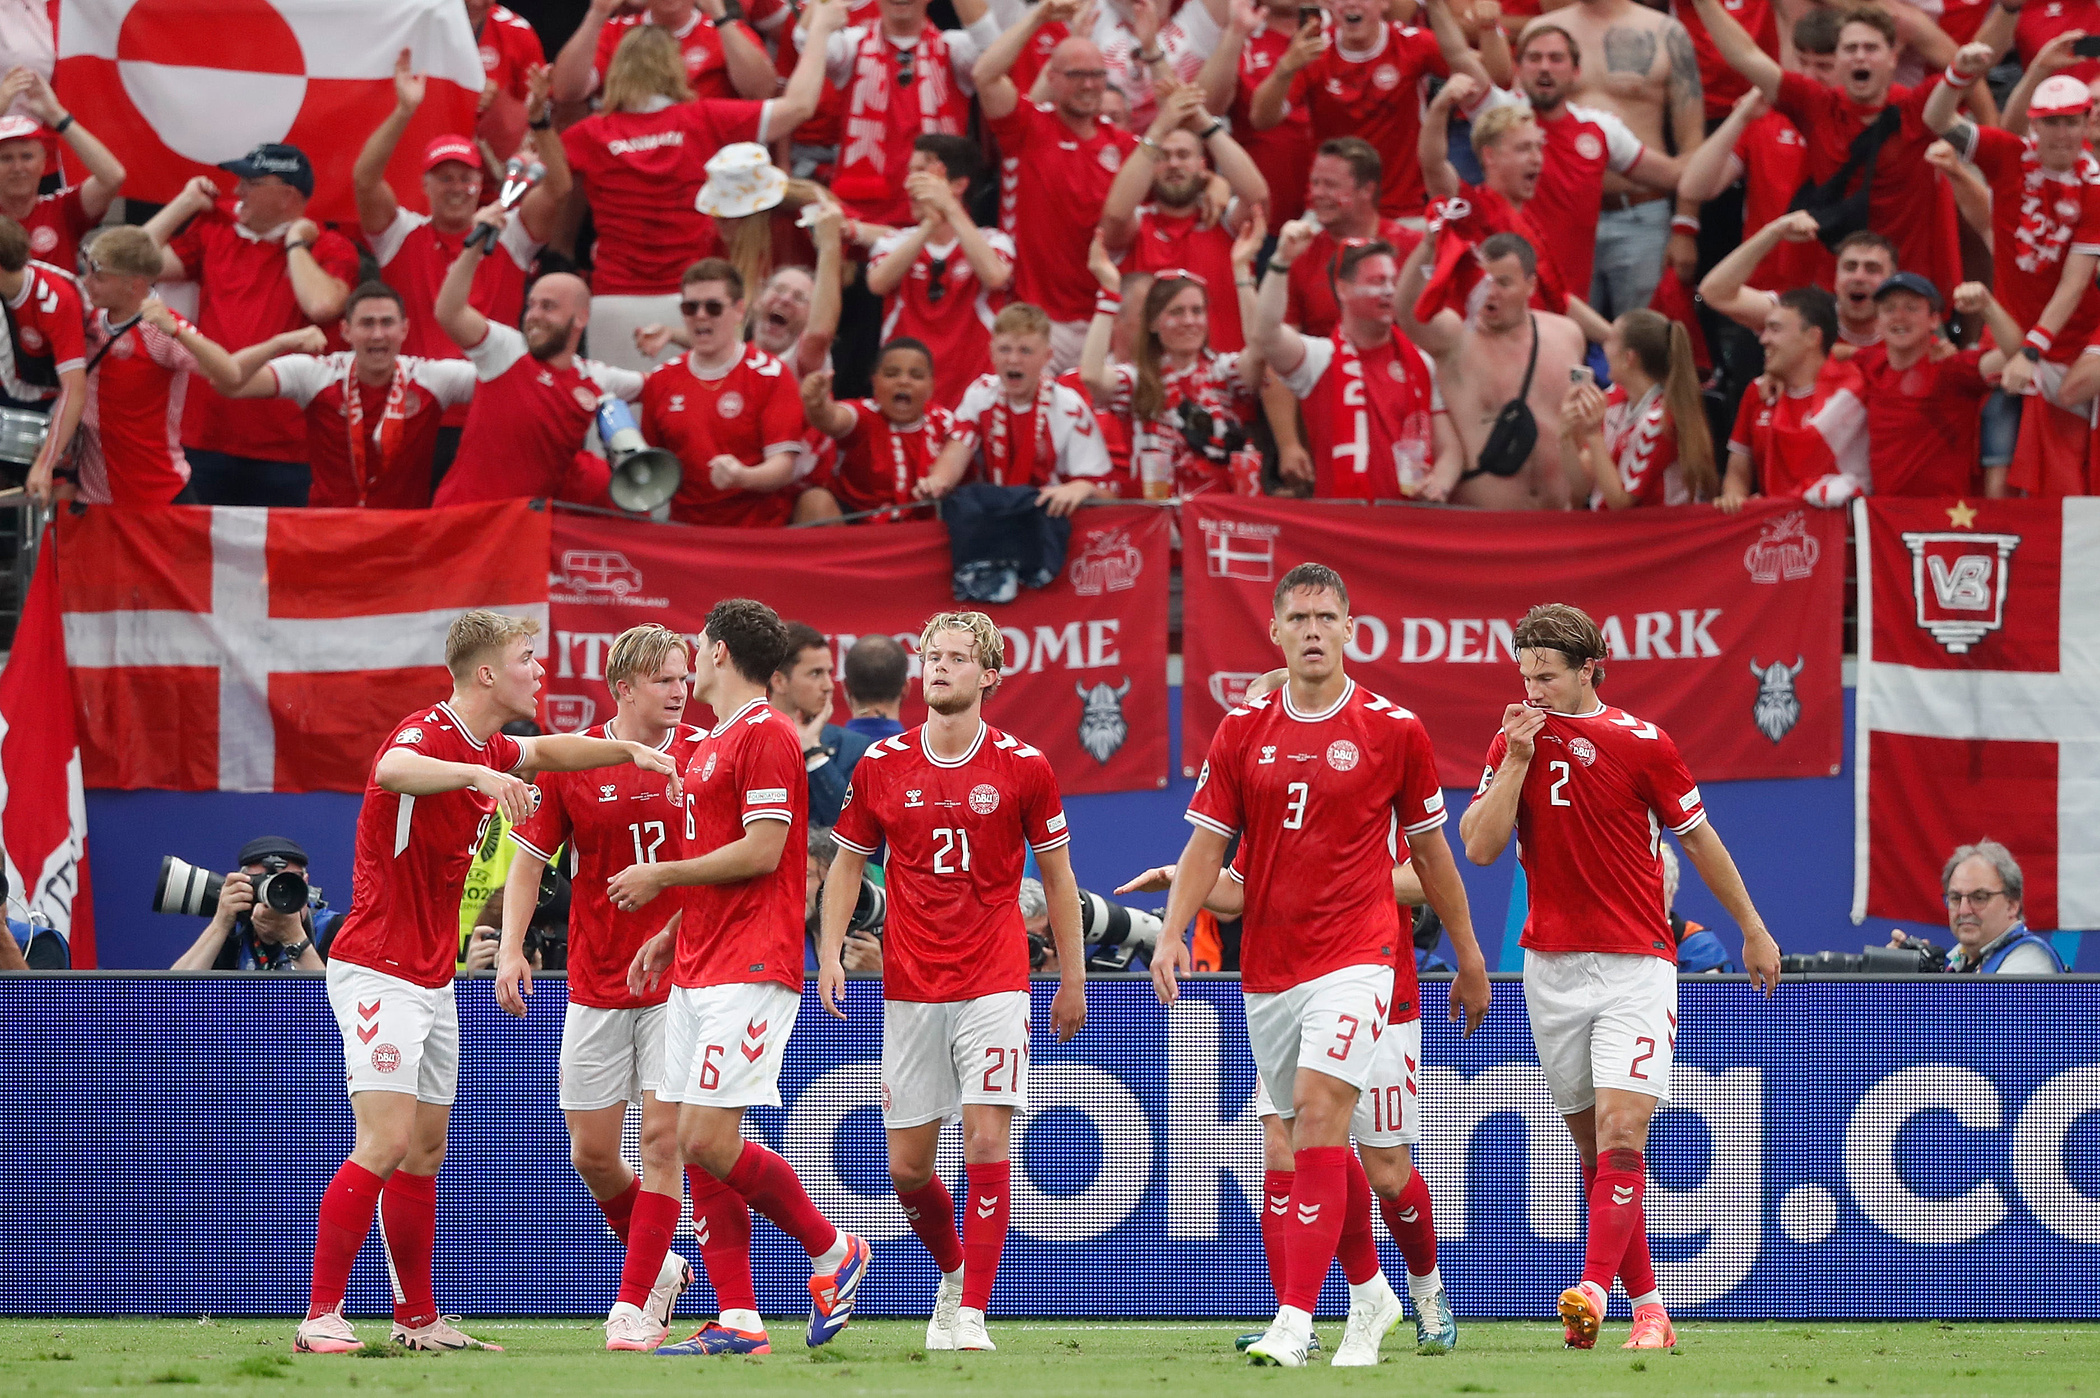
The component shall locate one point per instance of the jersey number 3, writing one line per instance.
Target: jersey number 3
(1294, 813)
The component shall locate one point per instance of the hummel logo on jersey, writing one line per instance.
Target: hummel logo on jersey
(1308, 1213)
(1268, 755)
(1279, 1204)
(1622, 1194)
(1410, 1215)
(608, 792)
(754, 1040)
(986, 1207)
(911, 798)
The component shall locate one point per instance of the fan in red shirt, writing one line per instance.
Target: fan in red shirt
(1342, 203)
(1923, 394)
(1586, 788)
(1512, 151)
(1910, 203)
(260, 270)
(130, 438)
(889, 441)
(730, 412)
(510, 53)
(960, 806)
(1369, 78)
(1323, 773)
(735, 958)
(1646, 441)
(537, 399)
(1720, 84)
(723, 60)
(415, 250)
(43, 360)
(943, 279)
(1057, 160)
(1810, 439)
(599, 823)
(1375, 420)
(59, 220)
(1155, 210)
(441, 777)
(1761, 148)
(1244, 57)
(372, 412)
(641, 163)
(1020, 426)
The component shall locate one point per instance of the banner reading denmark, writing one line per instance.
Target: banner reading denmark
(1725, 630)
(1086, 657)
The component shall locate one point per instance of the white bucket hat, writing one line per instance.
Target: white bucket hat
(741, 180)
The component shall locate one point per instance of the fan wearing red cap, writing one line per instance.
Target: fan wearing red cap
(2045, 235)
(415, 249)
(56, 221)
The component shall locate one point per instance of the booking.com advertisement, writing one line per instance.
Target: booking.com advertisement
(1849, 1148)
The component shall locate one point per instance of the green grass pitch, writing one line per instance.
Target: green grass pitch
(1066, 1359)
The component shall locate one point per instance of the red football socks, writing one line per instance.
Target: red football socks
(408, 1222)
(722, 1225)
(1413, 1225)
(984, 1229)
(652, 1223)
(930, 1210)
(1637, 1267)
(347, 1207)
(1319, 1194)
(620, 1208)
(1275, 1210)
(1615, 1212)
(769, 1185)
(1357, 1249)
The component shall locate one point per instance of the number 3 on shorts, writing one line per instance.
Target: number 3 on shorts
(1344, 1038)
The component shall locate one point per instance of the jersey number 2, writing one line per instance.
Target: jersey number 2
(1559, 785)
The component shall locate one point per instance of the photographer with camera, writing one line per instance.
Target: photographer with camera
(260, 914)
(862, 954)
(1983, 887)
(1116, 938)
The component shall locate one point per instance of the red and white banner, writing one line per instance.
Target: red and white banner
(43, 815)
(175, 87)
(244, 649)
(1086, 657)
(1978, 705)
(1725, 630)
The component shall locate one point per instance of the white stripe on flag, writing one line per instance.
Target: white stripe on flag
(2078, 755)
(337, 38)
(1862, 837)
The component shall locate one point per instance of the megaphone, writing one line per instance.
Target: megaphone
(644, 478)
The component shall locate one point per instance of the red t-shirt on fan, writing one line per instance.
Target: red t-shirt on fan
(1581, 144)
(1798, 439)
(1166, 242)
(941, 302)
(1284, 152)
(2037, 219)
(56, 224)
(393, 470)
(412, 855)
(1333, 792)
(510, 50)
(1379, 97)
(1922, 421)
(1598, 786)
(414, 257)
(706, 66)
(750, 932)
(1643, 445)
(1775, 161)
(1369, 417)
(131, 429)
(958, 833)
(1053, 183)
(2050, 18)
(880, 463)
(601, 822)
(526, 427)
(1312, 308)
(45, 325)
(749, 410)
(1722, 84)
(641, 172)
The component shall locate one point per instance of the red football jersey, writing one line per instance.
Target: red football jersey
(1407, 985)
(1601, 788)
(1796, 440)
(2038, 218)
(1922, 421)
(46, 334)
(526, 425)
(392, 472)
(750, 410)
(706, 66)
(1376, 95)
(880, 463)
(1312, 309)
(56, 224)
(1643, 445)
(1774, 158)
(609, 819)
(956, 833)
(1170, 242)
(1721, 83)
(130, 442)
(941, 302)
(749, 768)
(1284, 152)
(1053, 184)
(412, 855)
(510, 50)
(1369, 417)
(414, 257)
(1320, 802)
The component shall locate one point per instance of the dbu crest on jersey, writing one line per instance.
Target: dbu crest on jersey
(1342, 755)
(707, 768)
(984, 798)
(1583, 751)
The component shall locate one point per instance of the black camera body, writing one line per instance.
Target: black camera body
(871, 908)
(1204, 436)
(1914, 956)
(185, 889)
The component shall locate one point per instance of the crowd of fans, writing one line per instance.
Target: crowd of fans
(846, 257)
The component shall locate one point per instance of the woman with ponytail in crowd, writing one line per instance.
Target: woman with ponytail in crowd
(1646, 441)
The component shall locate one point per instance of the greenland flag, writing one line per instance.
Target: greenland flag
(175, 87)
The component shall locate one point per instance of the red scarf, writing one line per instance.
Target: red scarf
(884, 118)
(999, 460)
(393, 420)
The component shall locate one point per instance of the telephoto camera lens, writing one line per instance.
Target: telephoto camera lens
(187, 890)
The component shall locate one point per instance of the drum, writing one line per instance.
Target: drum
(21, 435)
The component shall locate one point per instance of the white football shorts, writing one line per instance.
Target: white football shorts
(723, 1044)
(1331, 1025)
(937, 1057)
(1389, 1109)
(609, 1056)
(1602, 1019)
(397, 1036)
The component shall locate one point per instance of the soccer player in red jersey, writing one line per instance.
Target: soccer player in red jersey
(1323, 775)
(612, 1039)
(434, 786)
(1588, 789)
(735, 959)
(960, 804)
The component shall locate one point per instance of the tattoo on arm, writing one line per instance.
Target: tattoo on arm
(1628, 49)
(1962, 136)
(1685, 85)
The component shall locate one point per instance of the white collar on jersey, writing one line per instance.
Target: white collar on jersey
(465, 732)
(963, 761)
(1593, 713)
(664, 746)
(1292, 709)
(723, 727)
